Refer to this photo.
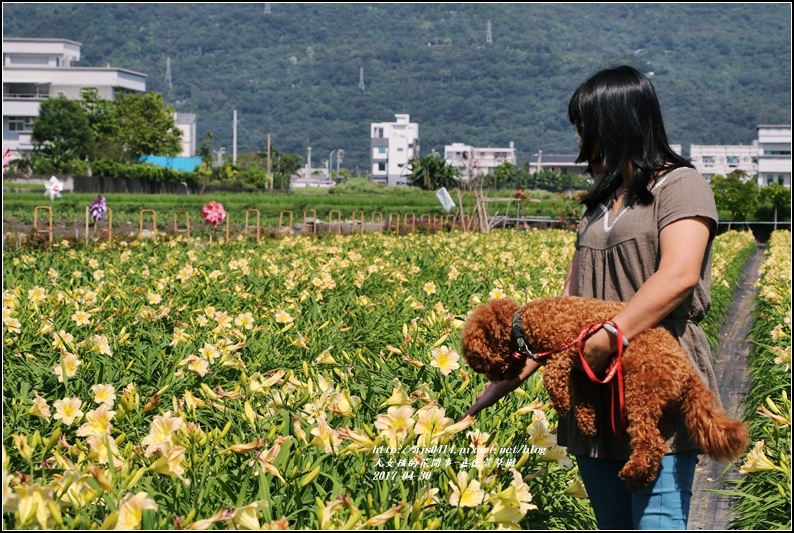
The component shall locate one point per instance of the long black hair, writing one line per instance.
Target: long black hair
(620, 122)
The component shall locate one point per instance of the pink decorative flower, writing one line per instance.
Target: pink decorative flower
(213, 214)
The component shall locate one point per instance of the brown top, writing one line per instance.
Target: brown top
(617, 254)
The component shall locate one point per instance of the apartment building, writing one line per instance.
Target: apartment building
(37, 69)
(774, 155)
(711, 160)
(473, 161)
(393, 145)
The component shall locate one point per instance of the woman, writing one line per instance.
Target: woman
(645, 239)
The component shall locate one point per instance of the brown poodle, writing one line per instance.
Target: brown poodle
(657, 374)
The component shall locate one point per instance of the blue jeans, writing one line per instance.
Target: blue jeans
(662, 505)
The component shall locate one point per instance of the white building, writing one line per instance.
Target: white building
(393, 145)
(473, 161)
(37, 69)
(186, 122)
(774, 155)
(711, 160)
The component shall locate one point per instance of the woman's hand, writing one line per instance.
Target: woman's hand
(598, 350)
(492, 393)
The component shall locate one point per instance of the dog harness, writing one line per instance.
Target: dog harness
(615, 367)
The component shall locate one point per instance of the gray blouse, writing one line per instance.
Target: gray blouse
(617, 254)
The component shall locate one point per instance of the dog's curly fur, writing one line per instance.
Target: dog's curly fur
(657, 373)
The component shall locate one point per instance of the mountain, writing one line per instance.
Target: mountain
(476, 73)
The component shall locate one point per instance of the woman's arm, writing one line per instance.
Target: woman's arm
(682, 249)
(571, 287)
(495, 391)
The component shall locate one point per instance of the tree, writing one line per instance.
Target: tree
(101, 115)
(61, 131)
(777, 198)
(146, 126)
(735, 194)
(430, 172)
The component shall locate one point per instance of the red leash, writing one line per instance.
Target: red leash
(615, 368)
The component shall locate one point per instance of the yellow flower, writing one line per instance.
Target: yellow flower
(398, 395)
(209, 351)
(757, 461)
(105, 447)
(63, 341)
(245, 321)
(154, 298)
(131, 510)
(429, 288)
(68, 410)
(37, 294)
(282, 317)
(506, 510)
(382, 518)
(104, 394)
(453, 273)
(444, 359)
(13, 325)
(69, 366)
(325, 358)
(396, 423)
(575, 489)
(497, 294)
(265, 459)
(459, 426)
(246, 517)
(559, 454)
(361, 442)
(343, 404)
(523, 496)
(32, 505)
(81, 318)
(465, 493)
(101, 345)
(179, 336)
(72, 488)
(431, 424)
(170, 463)
(197, 365)
(161, 433)
(325, 436)
(97, 422)
(540, 436)
(40, 407)
(427, 496)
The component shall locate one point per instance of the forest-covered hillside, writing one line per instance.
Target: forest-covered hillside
(720, 69)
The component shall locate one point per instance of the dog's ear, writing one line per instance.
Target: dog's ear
(485, 340)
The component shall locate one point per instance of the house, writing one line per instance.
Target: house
(393, 145)
(37, 69)
(562, 163)
(711, 160)
(472, 161)
(774, 155)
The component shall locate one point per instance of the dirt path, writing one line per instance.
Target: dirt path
(708, 510)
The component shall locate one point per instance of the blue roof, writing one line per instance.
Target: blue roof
(180, 163)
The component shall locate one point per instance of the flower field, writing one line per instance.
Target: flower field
(764, 493)
(291, 383)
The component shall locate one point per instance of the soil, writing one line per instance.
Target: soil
(709, 510)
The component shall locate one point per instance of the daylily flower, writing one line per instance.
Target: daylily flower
(104, 394)
(31, 503)
(361, 442)
(247, 517)
(170, 463)
(69, 367)
(68, 410)
(540, 435)
(282, 317)
(506, 510)
(40, 407)
(325, 436)
(161, 433)
(431, 424)
(429, 288)
(444, 359)
(131, 510)
(97, 422)
(466, 493)
(101, 345)
(757, 461)
(523, 495)
(398, 396)
(396, 423)
(81, 318)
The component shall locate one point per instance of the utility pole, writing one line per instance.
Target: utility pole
(168, 83)
(269, 165)
(361, 79)
(234, 135)
(488, 35)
